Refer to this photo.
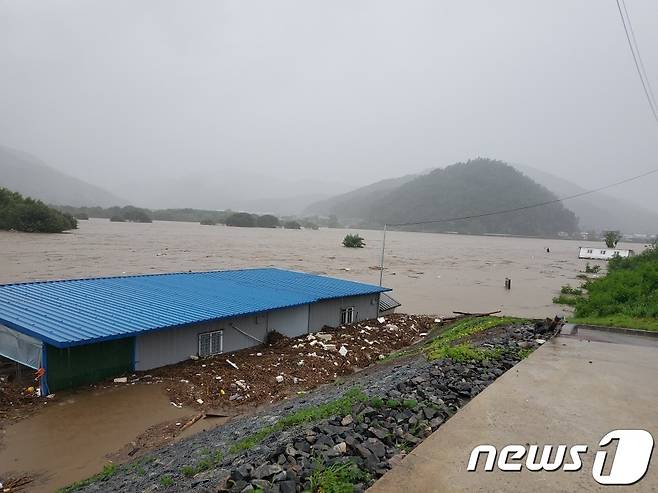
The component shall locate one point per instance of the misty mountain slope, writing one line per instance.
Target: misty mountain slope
(356, 203)
(470, 188)
(24, 173)
(597, 211)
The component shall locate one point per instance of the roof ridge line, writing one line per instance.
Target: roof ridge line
(131, 276)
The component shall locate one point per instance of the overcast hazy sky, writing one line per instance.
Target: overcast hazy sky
(327, 94)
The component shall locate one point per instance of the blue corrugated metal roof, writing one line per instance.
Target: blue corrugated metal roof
(79, 311)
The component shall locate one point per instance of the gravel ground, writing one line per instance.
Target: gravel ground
(407, 400)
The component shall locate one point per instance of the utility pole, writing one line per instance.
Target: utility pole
(381, 264)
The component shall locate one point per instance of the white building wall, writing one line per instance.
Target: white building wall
(291, 322)
(166, 347)
(328, 312)
(603, 253)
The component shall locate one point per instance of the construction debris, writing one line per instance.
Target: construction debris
(298, 364)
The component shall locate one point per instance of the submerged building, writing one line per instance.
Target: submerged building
(593, 253)
(81, 331)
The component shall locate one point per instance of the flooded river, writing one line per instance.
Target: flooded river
(430, 273)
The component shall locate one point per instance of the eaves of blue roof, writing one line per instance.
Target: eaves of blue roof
(81, 311)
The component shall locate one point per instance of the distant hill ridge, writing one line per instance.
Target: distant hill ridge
(469, 188)
(594, 212)
(26, 174)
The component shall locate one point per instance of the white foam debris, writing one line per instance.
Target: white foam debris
(342, 351)
(381, 356)
(184, 381)
(194, 357)
(279, 378)
(232, 364)
(540, 341)
(381, 320)
(121, 380)
(423, 334)
(259, 354)
(324, 337)
(300, 362)
(392, 327)
(437, 320)
(176, 405)
(200, 401)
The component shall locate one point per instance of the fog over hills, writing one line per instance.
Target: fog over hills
(21, 172)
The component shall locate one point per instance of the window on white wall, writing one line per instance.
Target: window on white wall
(211, 343)
(347, 315)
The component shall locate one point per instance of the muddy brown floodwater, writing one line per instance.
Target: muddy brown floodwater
(430, 273)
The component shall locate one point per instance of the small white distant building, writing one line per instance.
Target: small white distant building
(603, 253)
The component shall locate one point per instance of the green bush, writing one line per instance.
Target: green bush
(572, 291)
(241, 220)
(292, 225)
(32, 216)
(267, 221)
(353, 241)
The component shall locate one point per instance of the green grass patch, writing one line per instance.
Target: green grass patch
(466, 352)
(108, 471)
(166, 481)
(337, 478)
(565, 299)
(209, 460)
(339, 407)
(618, 320)
(443, 345)
(524, 353)
(627, 296)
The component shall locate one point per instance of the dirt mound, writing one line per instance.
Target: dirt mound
(286, 366)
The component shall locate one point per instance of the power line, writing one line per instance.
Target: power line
(639, 55)
(505, 211)
(530, 206)
(647, 92)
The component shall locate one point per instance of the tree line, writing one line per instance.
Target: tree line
(32, 216)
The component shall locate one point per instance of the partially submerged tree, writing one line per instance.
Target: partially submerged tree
(612, 238)
(267, 221)
(33, 216)
(353, 241)
(241, 219)
(292, 225)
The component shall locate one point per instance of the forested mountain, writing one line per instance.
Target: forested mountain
(28, 175)
(469, 188)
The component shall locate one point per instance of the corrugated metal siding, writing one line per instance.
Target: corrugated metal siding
(73, 312)
(387, 303)
(72, 367)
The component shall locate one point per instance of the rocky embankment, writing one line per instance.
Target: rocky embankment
(348, 434)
